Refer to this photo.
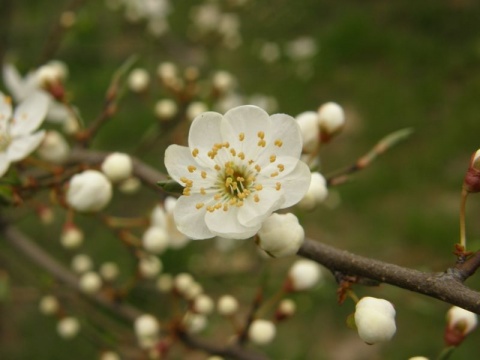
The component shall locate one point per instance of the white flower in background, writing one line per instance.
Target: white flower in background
(261, 331)
(223, 81)
(162, 217)
(317, 192)
(331, 119)
(81, 263)
(109, 271)
(117, 166)
(286, 308)
(281, 235)
(154, 12)
(155, 240)
(150, 266)
(68, 327)
(109, 355)
(308, 122)
(89, 191)
(203, 304)
(33, 82)
(54, 148)
(304, 274)
(17, 136)
(165, 109)
(227, 305)
(269, 52)
(90, 282)
(375, 320)
(237, 170)
(418, 358)
(48, 305)
(195, 109)
(71, 236)
(194, 322)
(138, 80)
(302, 48)
(146, 329)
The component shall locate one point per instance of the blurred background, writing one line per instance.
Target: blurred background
(391, 65)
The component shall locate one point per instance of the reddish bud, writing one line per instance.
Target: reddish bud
(471, 183)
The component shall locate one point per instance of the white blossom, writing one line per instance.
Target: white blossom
(17, 136)
(237, 170)
(331, 118)
(68, 327)
(281, 235)
(304, 274)
(261, 331)
(117, 166)
(310, 129)
(375, 320)
(89, 191)
(54, 148)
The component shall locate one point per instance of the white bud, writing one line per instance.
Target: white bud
(317, 192)
(81, 263)
(59, 68)
(165, 283)
(146, 328)
(117, 166)
(281, 235)
(331, 118)
(375, 320)
(150, 266)
(68, 327)
(47, 74)
(130, 185)
(286, 308)
(227, 305)
(261, 331)
(89, 191)
(304, 274)
(167, 71)
(203, 304)
(223, 81)
(418, 358)
(192, 291)
(215, 358)
(462, 319)
(195, 108)
(195, 322)
(70, 125)
(54, 148)
(165, 109)
(71, 237)
(109, 271)
(182, 282)
(310, 130)
(155, 240)
(138, 80)
(109, 355)
(90, 282)
(48, 305)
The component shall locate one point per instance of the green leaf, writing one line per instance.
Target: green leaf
(171, 186)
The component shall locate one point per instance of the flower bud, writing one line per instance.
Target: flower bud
(223, 81)
(138, 80)
(286, 308)
(418, 358)
(281, 235)
(150, 266)
(130, 186)
(53, 148)
(194, 109)
(375, 320)
(90, 282)
(49, 305)
(471, 183)
(117, 166)
(109, 355)
(304, 274)
(316, 193)
(109, 271)
(227, 305)
(310, 130)
(71, 237)
(89, 191)
(261, 331)
(81, 263)
(68, 327)
(146, 328)
(203, 304)
(165, 109)
(331, 119)
(167, 72)
(182, 282)
(460, 323)
(165, 283)
(155, 240)
(194, 322)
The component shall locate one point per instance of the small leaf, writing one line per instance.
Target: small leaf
(170, 186)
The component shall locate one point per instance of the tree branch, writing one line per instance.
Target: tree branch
(446, 286)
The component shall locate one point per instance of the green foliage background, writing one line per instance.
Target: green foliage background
(390, 64)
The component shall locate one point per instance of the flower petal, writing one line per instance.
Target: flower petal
(250, 121)
(296, 184)
(178, 159)
(4, 163)
(190, 220)
(5, 112)
(253, 213)
(225, 224)
(286, 129)
(22, 146)
(204, 133)
(13, 81)
(29, 114)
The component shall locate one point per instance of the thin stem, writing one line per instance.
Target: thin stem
(463, 202)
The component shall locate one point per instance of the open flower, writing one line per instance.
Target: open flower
(237, 170)
(16, 127)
